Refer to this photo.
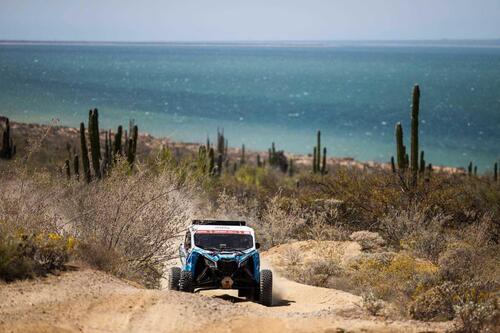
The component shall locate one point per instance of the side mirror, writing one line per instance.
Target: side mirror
(257, 246)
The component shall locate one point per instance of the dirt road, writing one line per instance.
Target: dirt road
(89, 301)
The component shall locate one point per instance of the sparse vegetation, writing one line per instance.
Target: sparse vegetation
(425, 246)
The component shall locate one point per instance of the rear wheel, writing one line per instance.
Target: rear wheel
(174, 275)
(186, 282)
(266, 287)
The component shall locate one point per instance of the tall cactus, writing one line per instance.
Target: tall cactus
(211, 161)
(8, 149)
(76, 166)
(67, 169)
(495, 172)
(469, 169)
(414, 133)
(318, 151)
(132, 145)
(109, 150)
(85, 154)
(393, 165)
(323, 166)
(242, 161)
(219, 164)
(315, 156)
(400, 149)
(117, 149)
(422, 163)
(95, 146)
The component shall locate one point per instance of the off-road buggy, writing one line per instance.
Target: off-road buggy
(222, 255)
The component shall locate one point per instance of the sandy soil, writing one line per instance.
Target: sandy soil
(85, 300)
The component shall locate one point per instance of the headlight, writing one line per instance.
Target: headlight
(209, 263)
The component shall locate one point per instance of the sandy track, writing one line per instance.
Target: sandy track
(91, 301)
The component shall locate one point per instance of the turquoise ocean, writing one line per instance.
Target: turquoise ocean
(260, 93)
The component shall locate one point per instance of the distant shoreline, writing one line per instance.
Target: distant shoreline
(443, 43)
(62, 134)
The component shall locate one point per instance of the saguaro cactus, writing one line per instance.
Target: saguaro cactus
(67, 169)
(315, 156)
(400, 149)
(117, 149)
(85, 154)
(495, 172)
(219, 164)
(132, 145)
(318, 152)
(8, 148)
(422, 162)
(76, 167)
(393, 165)
(323, 166)
(211, 161)
(469, 169)
(414, 133)
(242, 161)
(95, 146)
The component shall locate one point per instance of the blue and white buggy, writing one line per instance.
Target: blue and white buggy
(222, 255)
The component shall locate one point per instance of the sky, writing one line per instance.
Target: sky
(248, 20)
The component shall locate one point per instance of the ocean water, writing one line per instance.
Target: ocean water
(263, 93)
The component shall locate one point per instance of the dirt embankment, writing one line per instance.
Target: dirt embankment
(85, 300)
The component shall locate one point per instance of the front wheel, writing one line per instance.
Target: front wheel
(174, 275)
(266, 287)
(186, 282)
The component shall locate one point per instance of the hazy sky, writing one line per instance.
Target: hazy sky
(198, 20)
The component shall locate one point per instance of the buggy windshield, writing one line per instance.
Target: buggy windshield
(223, 241)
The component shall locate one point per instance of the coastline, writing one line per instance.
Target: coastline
(58, 139)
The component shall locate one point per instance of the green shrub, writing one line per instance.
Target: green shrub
(23, 256)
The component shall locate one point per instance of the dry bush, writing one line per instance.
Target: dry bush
(129, 224)
(326, 271)
(371, 303)
(369, 241)
(434, 304)
(280, 222)
(397, 281)
(32, 241)
(417, 230)
(477, 307)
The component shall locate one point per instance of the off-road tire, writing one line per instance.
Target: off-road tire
(186, 282)
(266, 287)
(174, 275)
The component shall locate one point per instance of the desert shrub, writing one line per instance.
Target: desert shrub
(280, 222)
(371, 303)
(416, 230)
(477, 307)
(32, 241)
(434, 304)
(369, 241)
(24, 256)
(457, 263)
(129, 225)
(397, 281)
